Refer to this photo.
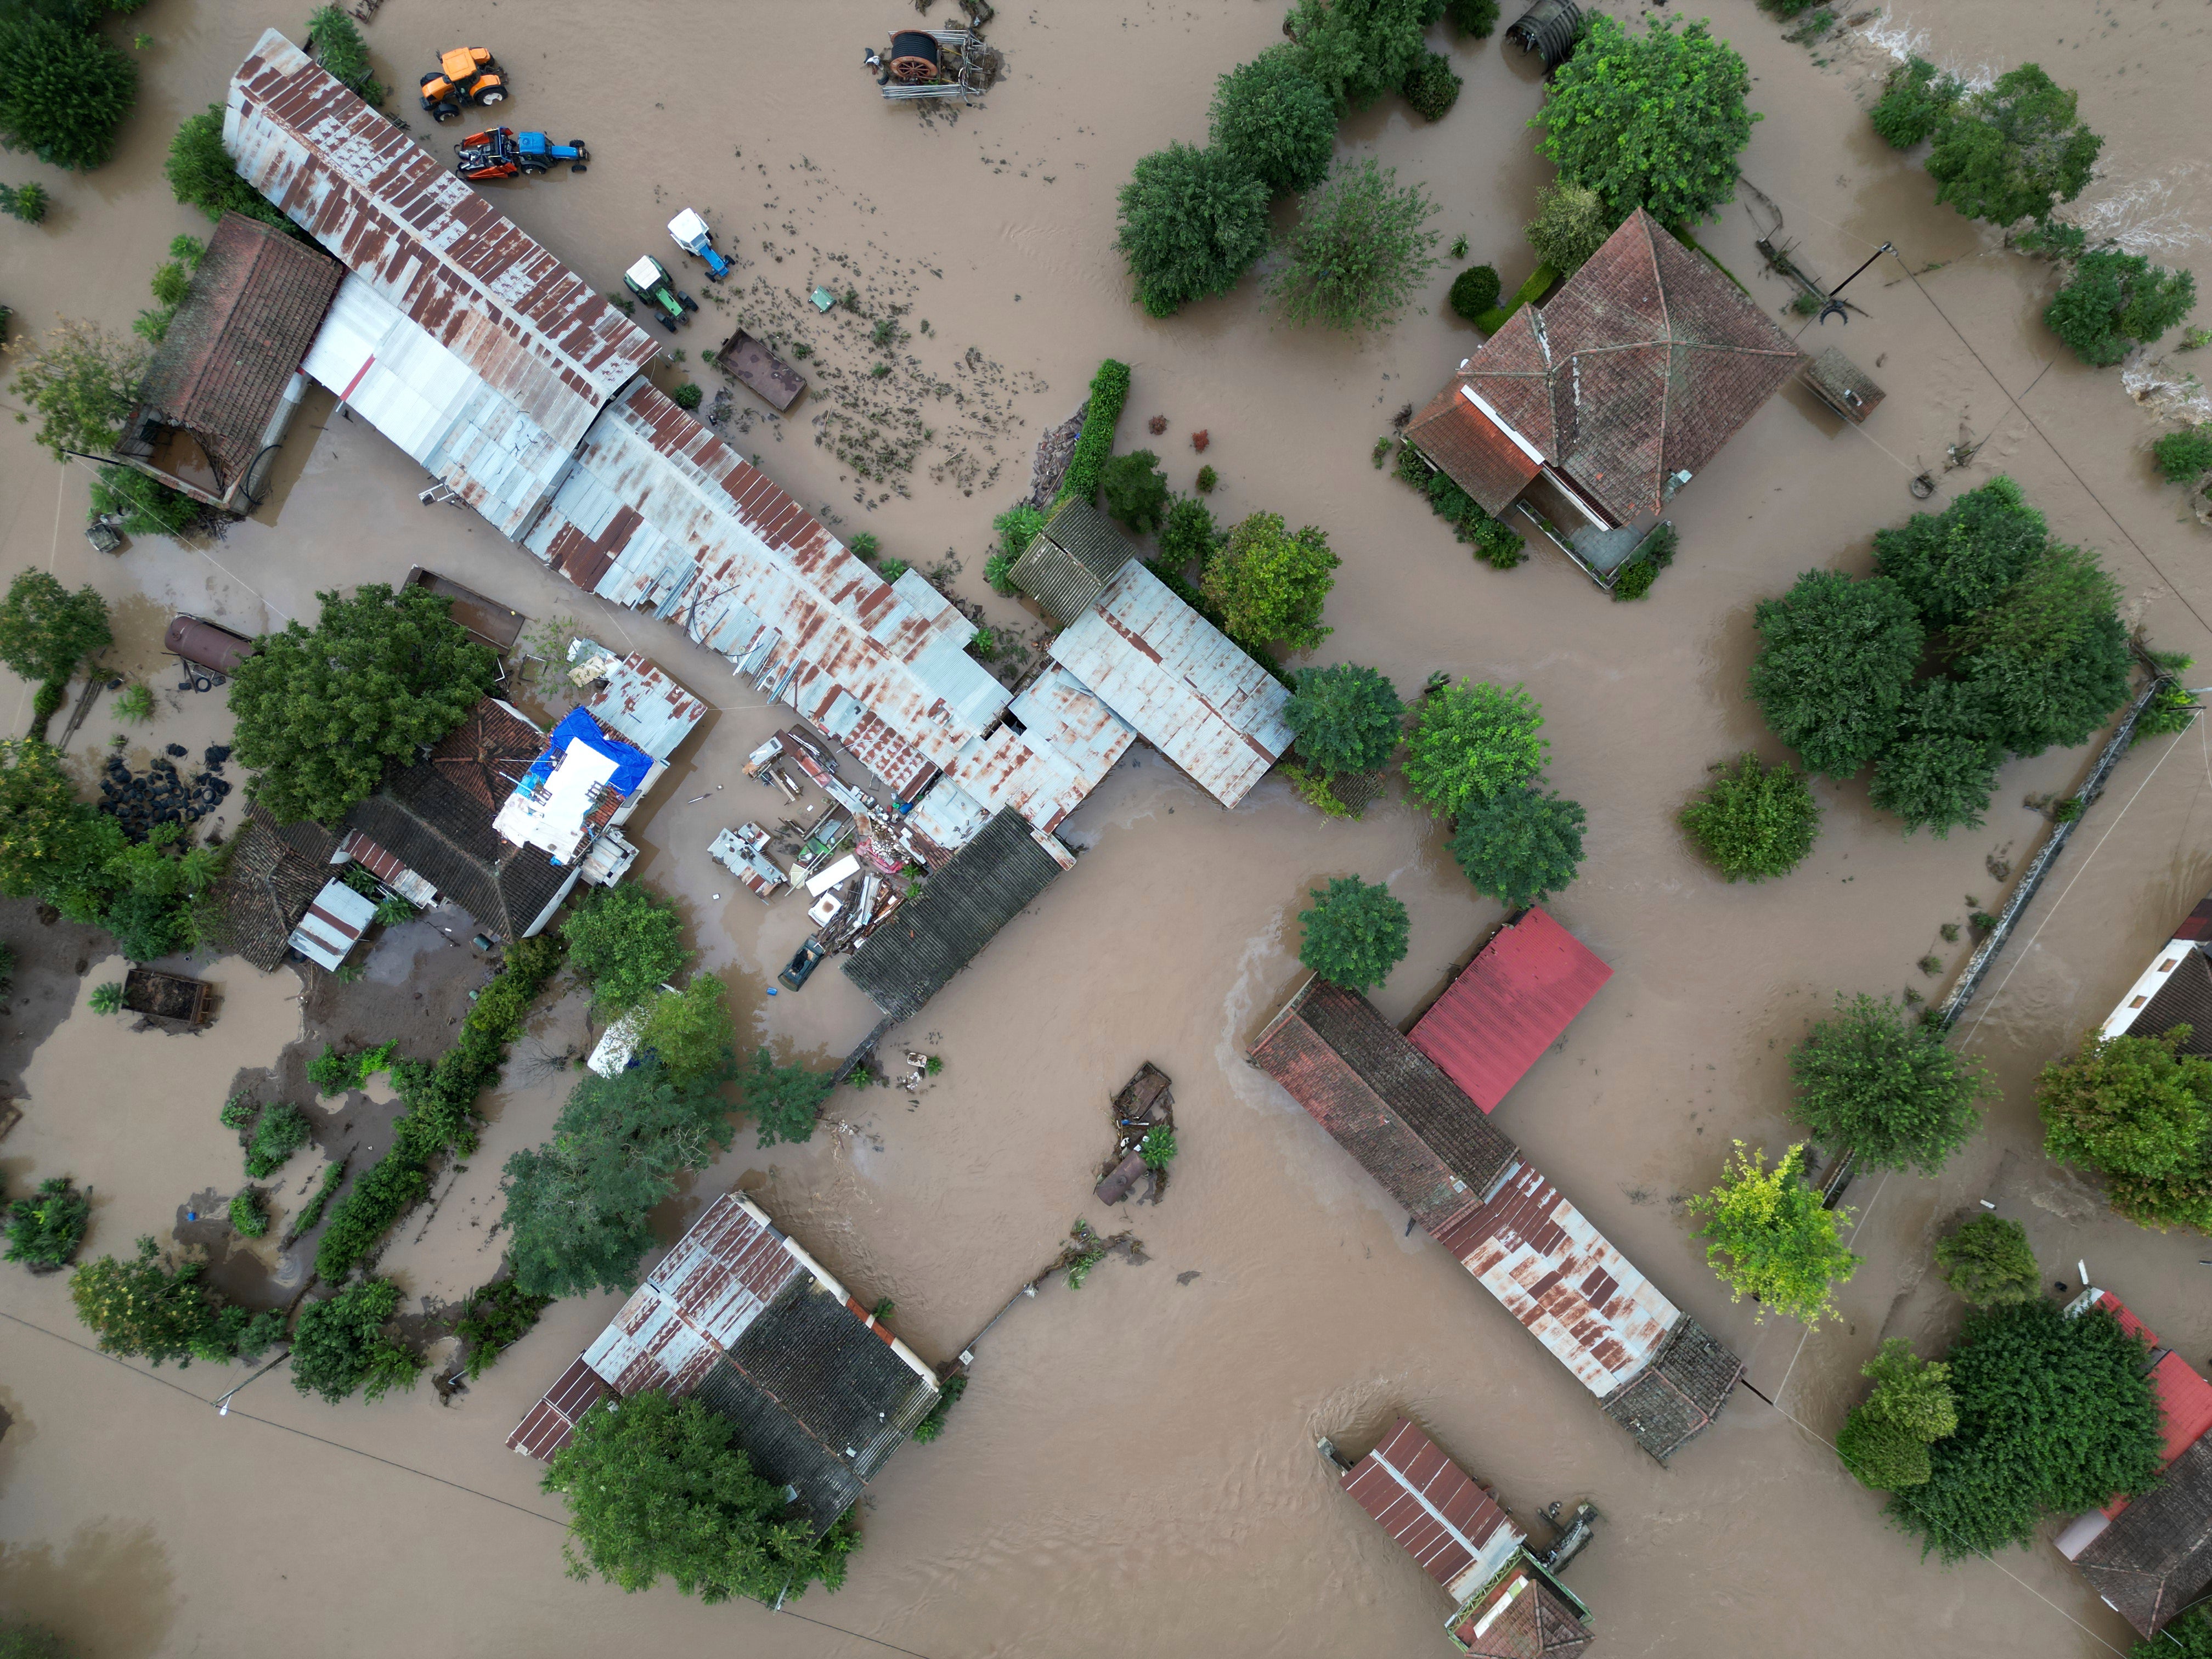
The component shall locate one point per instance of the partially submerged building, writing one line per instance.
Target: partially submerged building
(2174, 989)
(741, 1318)
(1510, 1005)
(273, 873)
(1584, 414)
(1650, 1366)
(220, 391)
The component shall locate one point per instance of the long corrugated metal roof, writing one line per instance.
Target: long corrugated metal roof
(1190, 692)
(536, 332)
(1061, 715)
(642, 704)
(1510, 1004)
(1439, 1516)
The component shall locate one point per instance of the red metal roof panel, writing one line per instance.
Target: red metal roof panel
(1521, 992)
(1442, 1518)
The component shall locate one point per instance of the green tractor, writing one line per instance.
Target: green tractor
(649, 280)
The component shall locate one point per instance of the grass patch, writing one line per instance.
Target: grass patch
(1538, 285)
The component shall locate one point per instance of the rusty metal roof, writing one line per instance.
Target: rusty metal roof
(1439, 1516)
(642, 703)
(1060, 714)
(533, 329)
(1185, 688)
(546, 1426)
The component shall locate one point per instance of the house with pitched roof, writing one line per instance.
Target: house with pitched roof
(1586, 414)
(2175, 988)
(273, 874)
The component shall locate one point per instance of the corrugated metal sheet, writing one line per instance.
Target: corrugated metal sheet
(1439, 1516)
(546, 1427)
(337, 918)
(1179, 681)
(1558, 1276)
(1059, 713)
(948, 816)
(2184, 1396)
(1511, 1003)
(644, 706)
(537, 333)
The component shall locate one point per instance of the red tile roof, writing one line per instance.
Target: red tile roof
(1510, 1004)
(2184, 1396)
(1473, 450)
(1427, 1502)
(1522, 1618)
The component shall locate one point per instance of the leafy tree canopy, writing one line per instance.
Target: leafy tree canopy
(1754, 821)
(692, 1032)
(657, 1488)
(1188, 535)
(1355, 933)
(1270, 583)
(2013, 150)
(145, 1309)
(1834, 658)
(1953, 563)
(1913, 1393)
(2189, 1637)
(626, 941)
(340, 48)
(340, 1347)
(2033, 701)
(2184, 456)
(81, 381)
(1519, 846)
(64, 87)
(1136, 490)
(2117, 301)
(784, 1101)
(1768, 1237)
(1358, 253)
(321, 712)
(1914, 101)
(1358, 49)
(1192, 220)
(1988, 1262)
(1347, 718)
(1270, 117)
(1470, 741)
(1888, 1087)
(1879, 1454)
(2055, 1415)
(1942, 768)
(200, 172)
(1653, 121)
(46, 630)
(1571, 223)
(2139, 1110)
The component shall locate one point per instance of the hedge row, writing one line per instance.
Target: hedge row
(441, 1100)
(1094, 448)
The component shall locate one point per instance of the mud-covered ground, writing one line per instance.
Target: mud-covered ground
(1133, 1469)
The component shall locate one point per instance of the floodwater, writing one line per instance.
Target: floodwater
(1132, 1470)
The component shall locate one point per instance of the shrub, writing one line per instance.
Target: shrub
(892, 569)
(999, 572)
(1159, 1146)
(339, 47)
(148, 925)
(1270, 584)
(1887, 1086)
(2013, 150)
(1474, 291)
(319, 1201)
(249, 1213)
(2116, 301)
(1431, 86)
(2184, 456)
(1475, 17)
(146, 506)
(1942, 768)
(282, 1131)
(1756, 820)
(1189, 535)
(1655, 121)
(1206, 479)
(1571, 223)
(1470, 741)
(339, 1347)
(1191, 222)
(1880, 1456)
(1953, 563)
(1347, 718)
(25, 202)
(333, 1072)
(1094, 444)
(687, 396)
(1989, 1263)
(106, 998)
(199, 171)
(1135, 489)
(2139, 1111)
(81, 382)
(1358, 251)
(624, 941)
(495, 1317)
(64, 87)
(984, 642)
(45, 1229)
(1270, 118)
(1354, 933)
(1016, 528)
(1358, 49)
(145, 1309)
(1914, 101)
(1834, 658)
(1519, 846)
(1885, 1440)
(948, 1396)
(866, 546)
(1768, 1236)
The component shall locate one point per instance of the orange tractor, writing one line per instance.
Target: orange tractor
(467, 75)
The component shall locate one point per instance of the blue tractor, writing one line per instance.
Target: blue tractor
(502, 152)
(692, 235)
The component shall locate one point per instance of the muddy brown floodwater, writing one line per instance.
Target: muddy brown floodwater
(1133, 1470)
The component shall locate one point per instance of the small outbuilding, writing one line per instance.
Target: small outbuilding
(1842, 385)
(337, 917)
(1071, 560)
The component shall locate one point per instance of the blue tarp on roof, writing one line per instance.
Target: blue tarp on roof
(631, 762)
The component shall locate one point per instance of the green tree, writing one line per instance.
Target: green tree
(1354, 932)
(199, 171)
(1942, 768)
(46, 1228)
(625, 941)
(64, 87)
(339, 47)
(2184, 456)
(1475, 17)
(2189, 1637)
(1347, 718)
(1754, 821)
(340, 1347)
(145, 1309)
(1470, 741)
(1269, 117)
(2055, 1415)
(2116, 301)
(1270, 584)
(1473, 293)
(692, 1032)
(1359, 251)
(81, 382)
(1432, 86)
(2034, 700)
(1188, 534)
(41, 817)
(1135, 489)
(1653, 121)
(1914, 101)
(1887, 1087)
(783, 1101)
(1571, 223)
(1192, 220)
(145, 507)
(2013, 150)
(46, 630)
(1885, 1440)
(658, 1488)
(1953, 563)
(1879, 1454)
(1768, 1236)
(1357, 50)
(1519, 846)
(1989, 1263)
(2139, 1110)
(1835, 655)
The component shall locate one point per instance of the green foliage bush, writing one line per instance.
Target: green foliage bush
(687, 396)
(1431, 86)
(1470, 741)
(1768, 1236)
(1914, 101)
(1270, 583)
(1989, 1263)
(2139, 1111)
(1653, 555)
(200, 173)
(1359, 252)
(1955, 563)
(25, 202)
(495, 1317)
(46, 630)
(1347, 718)
(145, 1309)
(1016, 528)
(2189, 1637)
(1880, 1456)
(1355, 933)
(64, 87)
(1159, 1146)
(282, 1131)
(690, 1032)
(1208, 477)
(1885, 1440)
(2184, 456)
(1754, 821)
(2116, 301)
(1135, 489)
(1189, 535)
(1493, 544)
(1519, 846)
(1474, 291)
(2013, 150)
(19, 1640)
(1571, 223)
(1191, 222)
(145, 506)
(339, 1347)
(81, 382)
(932, 1427)
(1887, 1087)
(1475, 17)
(1094, 444)
(45, 1229)
(339, 47)
(1941, 769)
(1835, 656)
(624, 942)
(1655, 121)
(249, 1213)
(1270, 118)
(107, 998)
(1358, 49)
(311, 1213)
(2048, 662)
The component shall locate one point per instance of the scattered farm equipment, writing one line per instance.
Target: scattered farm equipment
(649, 280)
(693, 236)
(934, 64)
(502, 152)
(466, 75)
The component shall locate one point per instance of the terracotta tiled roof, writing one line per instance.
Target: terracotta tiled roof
(274, 873)
(1535, 1623)
(1473, 450)
(1643, 364)
(253, 310)
(486, 755)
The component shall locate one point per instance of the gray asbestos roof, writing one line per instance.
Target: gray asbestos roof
(1071, 560)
